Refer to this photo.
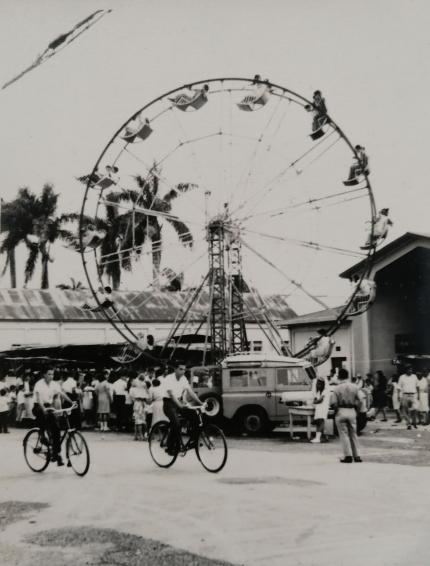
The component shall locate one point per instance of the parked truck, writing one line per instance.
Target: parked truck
(254, 390)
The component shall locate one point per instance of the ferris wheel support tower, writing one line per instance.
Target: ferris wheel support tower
(227, 322)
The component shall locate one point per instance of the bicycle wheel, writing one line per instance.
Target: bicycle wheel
(158, 445)
(36, 453)
(77, 453)
(211, 448)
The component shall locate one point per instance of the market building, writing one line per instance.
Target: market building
(56, 317)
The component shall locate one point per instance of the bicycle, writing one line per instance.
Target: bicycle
(38, 446)
(206, 439)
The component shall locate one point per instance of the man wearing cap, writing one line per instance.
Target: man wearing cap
(408, 396)
(346, 400)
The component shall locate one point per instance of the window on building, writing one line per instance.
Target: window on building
(256, 346)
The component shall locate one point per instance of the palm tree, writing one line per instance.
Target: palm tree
(144, 227)
(47, 228)
(17, 221)
(126, 233)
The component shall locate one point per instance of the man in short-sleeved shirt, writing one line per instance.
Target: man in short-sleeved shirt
(408, 393)
(44, 393)
(175, 389)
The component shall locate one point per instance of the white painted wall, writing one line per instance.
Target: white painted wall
(57, 334)
(343, 338)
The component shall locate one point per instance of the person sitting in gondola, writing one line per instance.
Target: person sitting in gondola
(259, 96)
(323, 347)
(92, 238)
(319, 108)
(104, 296)
(137, 129)
(366, 292)
(381, 226)
(197, 99)
(359, 166)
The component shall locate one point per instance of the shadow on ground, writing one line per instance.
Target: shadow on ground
(13, 511)
(109, 547)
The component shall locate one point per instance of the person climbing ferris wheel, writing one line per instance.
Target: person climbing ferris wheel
(229, 187)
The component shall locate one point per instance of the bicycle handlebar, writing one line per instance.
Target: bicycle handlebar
(202, 408)
(67, 411)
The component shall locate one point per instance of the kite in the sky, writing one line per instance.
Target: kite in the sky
(62, 41)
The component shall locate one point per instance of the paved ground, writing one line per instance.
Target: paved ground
(277, 502)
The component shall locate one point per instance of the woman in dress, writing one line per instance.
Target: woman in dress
(423, 399)
(321, 404)
(395, 397)
(380, 394)
(156, 400)
(103, 393)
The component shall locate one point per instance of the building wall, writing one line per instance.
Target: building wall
(300, 335)
(391, 314)
(88, 332)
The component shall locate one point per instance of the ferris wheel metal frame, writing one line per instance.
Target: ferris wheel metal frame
(343, 313)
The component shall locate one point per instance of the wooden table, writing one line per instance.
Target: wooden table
(306, 411)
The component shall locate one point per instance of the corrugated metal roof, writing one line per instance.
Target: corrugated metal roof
(135, 306)
(319, 317)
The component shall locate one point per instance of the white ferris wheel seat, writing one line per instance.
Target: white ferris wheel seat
(356, 180)
(185, 101)
(258, 99)
(142, 132)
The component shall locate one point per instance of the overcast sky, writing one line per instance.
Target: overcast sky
(370, 58)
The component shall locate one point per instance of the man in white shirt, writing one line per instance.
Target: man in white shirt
(408, 396)
(119, 391)
(44, 393)
(176, 389)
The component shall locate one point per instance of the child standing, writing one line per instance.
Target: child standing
(139, 416)
(4, 410)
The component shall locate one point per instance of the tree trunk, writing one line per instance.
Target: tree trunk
(116, 280)
(12, 268)
(45, 274)
(156, 261)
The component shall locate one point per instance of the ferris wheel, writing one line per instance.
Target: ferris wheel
(229, 187)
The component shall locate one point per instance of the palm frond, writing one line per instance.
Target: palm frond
(185, 237)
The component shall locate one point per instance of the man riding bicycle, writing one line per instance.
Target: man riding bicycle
(45, 392)
(175, 390)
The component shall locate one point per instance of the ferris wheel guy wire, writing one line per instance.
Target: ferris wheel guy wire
(276, 268)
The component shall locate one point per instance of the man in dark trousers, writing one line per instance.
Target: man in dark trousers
(346, 400)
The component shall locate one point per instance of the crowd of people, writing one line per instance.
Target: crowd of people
(110, 399)
(356, 400)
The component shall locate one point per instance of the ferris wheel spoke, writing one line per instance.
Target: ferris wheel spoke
(309, 244)
(273, 186)
(273, 183)
(244, 179)
(297, 284)
(310, 202)
(145, 299)
(183, 135)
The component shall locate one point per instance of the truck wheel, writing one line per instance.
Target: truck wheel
(214, 405)
(253, 422)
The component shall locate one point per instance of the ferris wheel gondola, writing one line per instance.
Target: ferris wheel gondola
(248, 190)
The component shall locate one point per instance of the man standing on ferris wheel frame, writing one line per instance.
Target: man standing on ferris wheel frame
(175, 390)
